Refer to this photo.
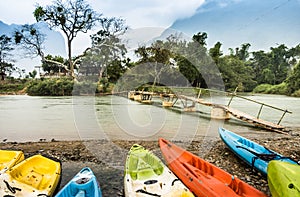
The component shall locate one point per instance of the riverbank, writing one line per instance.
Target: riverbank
(107, 158)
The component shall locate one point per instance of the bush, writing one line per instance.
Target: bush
(51, 87)
(271, 89)
(278, 89)
(262, 88)
(86, 87)
(296, 93)
(12, 86)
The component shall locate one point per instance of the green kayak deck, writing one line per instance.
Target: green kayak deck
(284, 179)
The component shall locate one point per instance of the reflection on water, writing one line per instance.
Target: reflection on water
(25, 118)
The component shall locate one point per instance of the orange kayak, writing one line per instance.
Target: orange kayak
(202, 177)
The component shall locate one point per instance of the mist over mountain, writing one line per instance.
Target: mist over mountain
(263, 24)
(54, 45)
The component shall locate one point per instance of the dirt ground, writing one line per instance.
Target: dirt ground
(107, 158)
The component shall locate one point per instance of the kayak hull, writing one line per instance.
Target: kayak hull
(254, 154)
(9, 158)
(146, 175)
(202, 177)
(34, 176)
(84, 183)
(284, 179)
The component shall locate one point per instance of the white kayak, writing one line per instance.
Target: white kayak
(146, 175)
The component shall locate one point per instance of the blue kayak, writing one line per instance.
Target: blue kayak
(252, 153)
(84, 184)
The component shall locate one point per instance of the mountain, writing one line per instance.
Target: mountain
(263, 24)
(54, 45)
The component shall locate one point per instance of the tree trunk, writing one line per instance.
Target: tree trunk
(70, 59)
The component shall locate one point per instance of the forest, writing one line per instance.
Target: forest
(164, 62)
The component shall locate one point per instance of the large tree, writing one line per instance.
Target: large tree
(107, 47)
(71, 17)
(6, 46)
(31, 40)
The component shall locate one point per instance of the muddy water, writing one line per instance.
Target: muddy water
(25, 118)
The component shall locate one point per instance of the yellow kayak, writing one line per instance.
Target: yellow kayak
(9, 158)
(35, 176)
(284, 179)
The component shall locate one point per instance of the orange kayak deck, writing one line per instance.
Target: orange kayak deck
(202, 177)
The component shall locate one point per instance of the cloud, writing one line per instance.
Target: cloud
(146, 13)
(19, 12)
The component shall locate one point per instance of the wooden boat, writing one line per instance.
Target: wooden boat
(167, 103)
(202, 177)
(168, 100)
(131, 95)
(9, 158)
(284, 179)
(83, 184)
(252, 153)
(35, 176)
(146, 175)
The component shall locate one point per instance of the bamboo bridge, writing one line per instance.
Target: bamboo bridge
(219, 111)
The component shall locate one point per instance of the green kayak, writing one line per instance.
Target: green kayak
(284, 179)
(146, 175)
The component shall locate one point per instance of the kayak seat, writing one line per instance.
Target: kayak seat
(33, 179)
(203, 166)
(143, 166)
(236, 186)
(246, 142)
(155, 164)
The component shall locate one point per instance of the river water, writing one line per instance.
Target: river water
(26, 118)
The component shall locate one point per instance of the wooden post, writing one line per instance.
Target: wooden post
(260, 111)
(282, 117)
(232, 95)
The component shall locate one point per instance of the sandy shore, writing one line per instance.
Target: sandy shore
(107, 158)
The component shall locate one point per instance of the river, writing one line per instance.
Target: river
(25, 118)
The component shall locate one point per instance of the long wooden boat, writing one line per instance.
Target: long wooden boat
(34, 176)
(202, 177)
(146, 175)
(252, 153)
(284, 179)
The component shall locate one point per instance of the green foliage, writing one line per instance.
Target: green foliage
(271, 89)
(33, 74)
(262, 88)
(12, 86)
(51, 87)
(6, 46)
(236, 74)
(296, 93)
(278, 89)
(84, 88)
(50, 67)
(72, 17)
(293, 81)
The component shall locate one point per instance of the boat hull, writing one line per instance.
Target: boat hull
(34, 176)
(9, 158)
(146, 175)
(254, 154)
(284, 179)
(84, 183)
(202, 177)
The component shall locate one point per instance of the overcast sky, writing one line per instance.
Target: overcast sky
(138, 13)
